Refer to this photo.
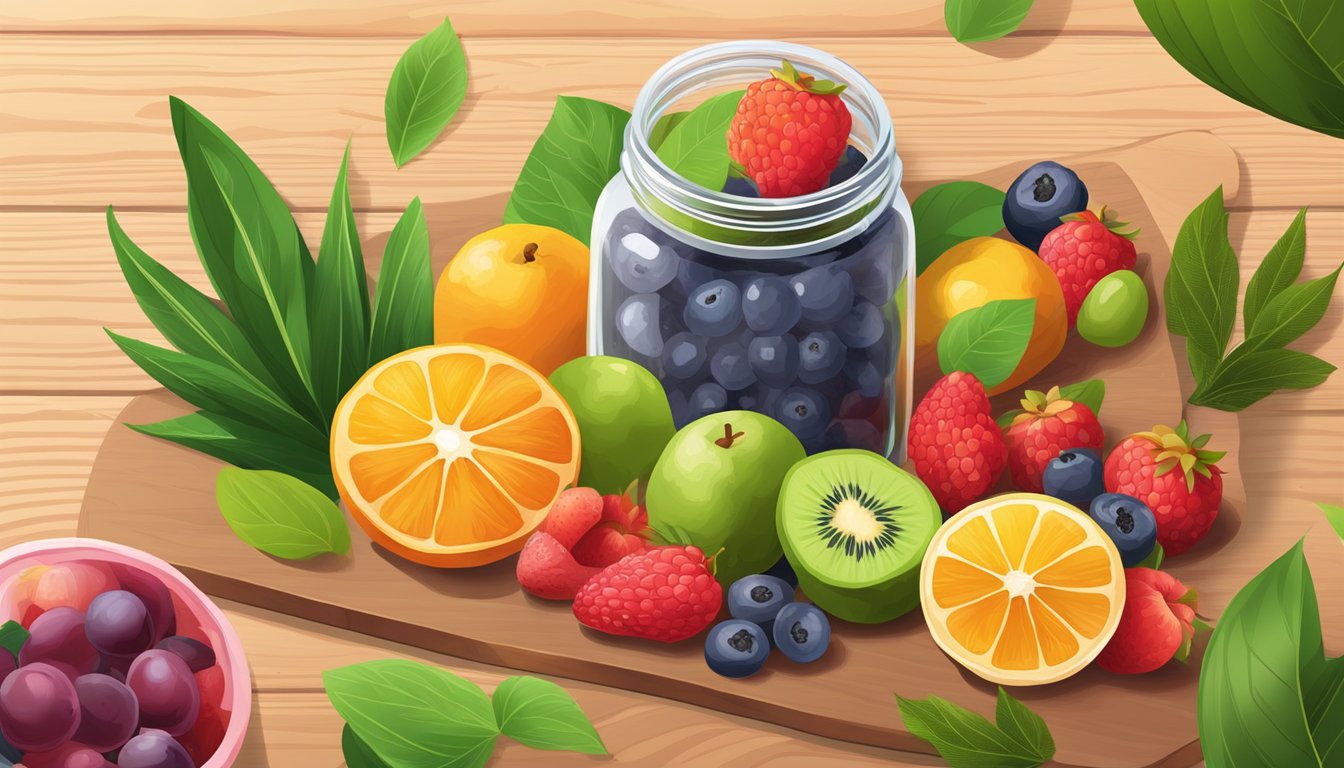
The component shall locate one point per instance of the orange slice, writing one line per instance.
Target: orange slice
(1022, 589)
(451, 455)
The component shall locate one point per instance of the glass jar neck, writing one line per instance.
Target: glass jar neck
(759, 227)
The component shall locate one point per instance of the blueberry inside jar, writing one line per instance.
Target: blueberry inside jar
(783, 290)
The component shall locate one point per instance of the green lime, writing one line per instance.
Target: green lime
(1115, 310)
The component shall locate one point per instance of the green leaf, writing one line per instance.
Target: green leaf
(1200, 294)
(250, 247)
(279, 514)
(403, 314)
(1268, 697)
(951, 213)
(1334, 515)
(576, 155)
(968, 740)
(1282, 57)
(1090, 393)
(357, 754)
(542, 715)
(428, 85)
(414, 715)
(1278, 270)
(244, 445)
(974, 21)
(1154, 559)
(1249, 375)
(1293, 312)
(12, 637)
(340, 302)
(697, 148)
(987, 341)
(663, 127)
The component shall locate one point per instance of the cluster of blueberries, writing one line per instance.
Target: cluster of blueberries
(788, 338)
(764, 615)
(1077, 476)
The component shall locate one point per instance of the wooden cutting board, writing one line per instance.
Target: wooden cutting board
(160, 498)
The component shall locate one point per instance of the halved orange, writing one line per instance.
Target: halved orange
(451, 455)
(1022, 589)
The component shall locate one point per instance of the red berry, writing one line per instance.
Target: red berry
(1085, 249)
(572, 515)
(547, 570)
(665, 594)
(1175, 477)
(954, 442)
(1157, 624)
(789, 132)
(622, 530)
(1049, 425)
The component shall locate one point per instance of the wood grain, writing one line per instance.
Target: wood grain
(85, 120)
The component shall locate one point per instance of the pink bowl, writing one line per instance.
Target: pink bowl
(209, 623)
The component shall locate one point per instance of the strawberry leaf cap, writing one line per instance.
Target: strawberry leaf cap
(802, 81)
(1040, 405)
(1108, 218)
(1174, 448)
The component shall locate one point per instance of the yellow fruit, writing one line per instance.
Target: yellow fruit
(519, 288)
(984, 269)
(1022, 589)
(451, 455)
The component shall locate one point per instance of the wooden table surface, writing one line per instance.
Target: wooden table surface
(84, 123)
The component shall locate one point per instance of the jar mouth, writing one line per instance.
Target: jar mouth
(759, 226)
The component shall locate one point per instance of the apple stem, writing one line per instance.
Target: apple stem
(530, 252)
(729, 436)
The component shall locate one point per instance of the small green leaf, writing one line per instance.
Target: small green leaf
(403, 314)
(1023, 726)
(1293, 312)
(968, 740)
(279, 514)
(12, 637)
(987, 341)
(542, 715)
(1090, 393)
(428, 86)
(1334, 515)
(1154, 558)
(663, 127)
(951, 213)
(697, 148)
(576, 155)
(1278, 270)
(1200, 293)
(413, 715)
(1249, 375)
(357, 754)
(974, 21)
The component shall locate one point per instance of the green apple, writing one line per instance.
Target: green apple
(623, 415)
(716, 486)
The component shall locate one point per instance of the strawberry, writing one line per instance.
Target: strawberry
(1084, 249)
(1049, 424)
(547, 570)
(789, 132)
(1157, 625)
(954, 443)
(572, 515)
(1185, 502)
(665, 594)
(622, 530)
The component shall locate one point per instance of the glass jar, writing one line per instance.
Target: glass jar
(793, 307)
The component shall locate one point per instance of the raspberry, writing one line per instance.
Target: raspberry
(547, 570)
(1085, 249)
(954, 442)
(1048, 425)
(665, 594)
(1150, 466)
(1156, 626)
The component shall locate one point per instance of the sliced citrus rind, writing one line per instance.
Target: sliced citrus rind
(1022, 589)
(451, 455)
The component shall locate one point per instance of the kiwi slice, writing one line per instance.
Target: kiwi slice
(855, 526)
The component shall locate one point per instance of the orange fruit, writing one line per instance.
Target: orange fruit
(451, 455)
(1022, 589)
(520, 288)
(984, 269)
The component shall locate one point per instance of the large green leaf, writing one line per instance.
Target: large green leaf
(1268, 697)
(340, 301)
(1249, 374)
(577, 154)
(697, 147)
(427, 87)
(403, 313)
(1200, 293)
(543, 715)
(947, 214)
(250, 247)
(1292, 312)
(1280, 267)
(1283, 57)
(280, 514)
(987, 341)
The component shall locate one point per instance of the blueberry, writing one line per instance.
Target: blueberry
(824, 293)
(802, 632)
(874, 266)
(774, 359)
(642, 264)
(730, 367)
(783, 569)
(862, 327)
(736, 648)
(1130, 524)
(684, 355)
(1038, 198)
(759, 397)
(854, 433)
(714, 308)
(867, 379)
(637, 320)
(804, 411)
(758, 598)
(850, 164)
(691, 274)
(821, 355)
(1074, 476)
(706, 399)
(741, 187)
(770, 305)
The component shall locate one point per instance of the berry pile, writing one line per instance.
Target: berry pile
(764, 614)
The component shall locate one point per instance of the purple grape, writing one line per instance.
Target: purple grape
(118, 623)
(7, 664)
(58, 638)
(198, 655)
(108, 712)
(167, 692)
(39, 710)
(154, 594)
(154, 749)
